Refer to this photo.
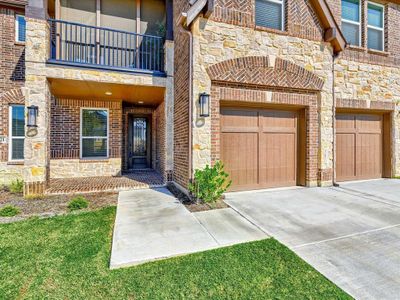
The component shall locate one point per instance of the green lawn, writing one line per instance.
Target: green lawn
(67, 258)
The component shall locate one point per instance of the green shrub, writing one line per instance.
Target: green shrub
(9, 211)
(17, 186)
(77, 203)
(210, 183)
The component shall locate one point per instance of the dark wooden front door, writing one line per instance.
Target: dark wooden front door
(139, 142)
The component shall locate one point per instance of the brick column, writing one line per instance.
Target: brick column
(36, 171)
(169, 108)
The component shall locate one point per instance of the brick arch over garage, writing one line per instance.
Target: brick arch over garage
(14, 96)
(273, 83)
(265, 71)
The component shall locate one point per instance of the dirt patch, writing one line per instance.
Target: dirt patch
(191, 205)
(51, 205)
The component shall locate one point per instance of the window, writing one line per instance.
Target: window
(270, 13)
(376, 34)
(17, 132)
(94, 133)
(20, 28)
(351, 21)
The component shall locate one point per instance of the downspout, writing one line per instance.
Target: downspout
(190, 87)
(334, 183)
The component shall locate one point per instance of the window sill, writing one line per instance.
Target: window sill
(271, 30)
(378, 52)
(94, 160)
(356, 48)
(15, 163)
(19, 43)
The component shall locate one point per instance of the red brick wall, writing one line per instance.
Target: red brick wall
(12, 71)
(181, 102)
(301, 19)
(65, 126)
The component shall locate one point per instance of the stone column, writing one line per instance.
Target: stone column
(37, 144)
(169, 108)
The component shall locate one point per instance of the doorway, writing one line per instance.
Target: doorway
(139, 154)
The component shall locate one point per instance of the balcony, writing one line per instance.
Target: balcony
(104, 48)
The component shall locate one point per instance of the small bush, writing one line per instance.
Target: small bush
(210, 183)
(9, 211)
(77, 203)
(17, 186)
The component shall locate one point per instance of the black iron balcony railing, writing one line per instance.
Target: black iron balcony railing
(79, 44)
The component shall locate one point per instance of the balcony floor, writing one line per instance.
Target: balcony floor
(134, 180)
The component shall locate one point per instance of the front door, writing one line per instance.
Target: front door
(139, 144)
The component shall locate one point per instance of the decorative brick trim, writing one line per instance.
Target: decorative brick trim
(364, 104)
(266, 71)
(14, 96)
(308, 101)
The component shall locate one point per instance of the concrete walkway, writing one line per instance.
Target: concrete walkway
(350, 234)
(151, 224)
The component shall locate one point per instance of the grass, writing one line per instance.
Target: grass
(67, 257)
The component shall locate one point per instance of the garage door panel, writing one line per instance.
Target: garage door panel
(258, 147)
(240, 157)
(369, 156)
(278, 159)
(276, 119)
(345, 157)
(359, 148)
(233, 118)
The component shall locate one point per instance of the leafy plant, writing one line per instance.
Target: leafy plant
(210, 183)
(78, 203)
(17, 186)
(9, 211)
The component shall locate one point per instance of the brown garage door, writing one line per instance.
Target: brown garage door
(359, 146)
(258, 147)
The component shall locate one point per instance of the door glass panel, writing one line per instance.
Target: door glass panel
(139, 136)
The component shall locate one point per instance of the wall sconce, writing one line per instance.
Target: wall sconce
(33, 111)
(204, 101)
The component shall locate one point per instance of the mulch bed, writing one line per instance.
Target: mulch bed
(51, 205)
(191, 205)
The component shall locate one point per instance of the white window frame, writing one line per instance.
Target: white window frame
(17, 28)
(356, 23)
(377, 28)
(283, 12)
(11, 137)
(94, 137)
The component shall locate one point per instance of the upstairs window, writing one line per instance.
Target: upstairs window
(20, 28)
(376, 21)
(351, 21)
(16, 132)
(94, 133)
(270, 14)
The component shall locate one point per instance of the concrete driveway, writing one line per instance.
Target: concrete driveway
(351, 233)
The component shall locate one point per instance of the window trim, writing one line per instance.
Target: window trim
(377, 28)
(283, 15)
(10, 134)
(17, 28)
(81, 137)
(360, 21)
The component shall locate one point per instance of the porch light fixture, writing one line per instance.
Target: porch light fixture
(204, 102)
(33, 111)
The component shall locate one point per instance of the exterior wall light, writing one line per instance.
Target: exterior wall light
(33, 111)
(204, 101)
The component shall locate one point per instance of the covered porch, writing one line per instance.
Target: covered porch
(107, 136)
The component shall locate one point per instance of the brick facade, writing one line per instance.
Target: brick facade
(12, 71)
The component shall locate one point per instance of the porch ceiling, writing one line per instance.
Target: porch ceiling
(81, 89)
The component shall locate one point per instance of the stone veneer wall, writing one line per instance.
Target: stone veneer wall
(65, 139)
(371, 87)
(216, 42)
